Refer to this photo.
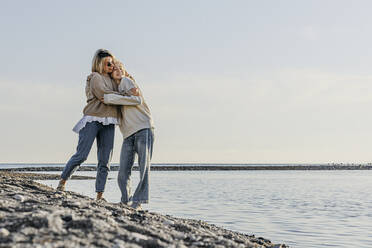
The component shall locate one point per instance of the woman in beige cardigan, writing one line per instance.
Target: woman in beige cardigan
(98, 122)
(137, 129)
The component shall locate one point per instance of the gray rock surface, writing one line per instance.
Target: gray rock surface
(45, 218)
(35, 176)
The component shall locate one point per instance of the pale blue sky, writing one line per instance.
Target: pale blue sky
(227, 81)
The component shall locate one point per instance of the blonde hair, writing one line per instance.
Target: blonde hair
(118, 64)
(98, 59)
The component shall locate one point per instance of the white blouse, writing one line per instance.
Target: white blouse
(88, 118)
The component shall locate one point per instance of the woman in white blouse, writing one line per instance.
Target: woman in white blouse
(97, 123)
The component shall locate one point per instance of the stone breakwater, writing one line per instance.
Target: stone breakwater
(34, 215)
(210, 167)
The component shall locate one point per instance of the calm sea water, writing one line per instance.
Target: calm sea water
(299, 208)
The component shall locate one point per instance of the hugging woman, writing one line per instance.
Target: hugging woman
(98, 122)
(137, 129)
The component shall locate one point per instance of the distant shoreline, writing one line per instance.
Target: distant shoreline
(212, 167)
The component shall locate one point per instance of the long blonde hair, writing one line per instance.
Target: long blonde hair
(98, 59)
(120, 65)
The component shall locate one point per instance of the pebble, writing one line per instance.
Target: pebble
(181, 245)
(29, 231)
(55, 222)
(168, 222)
(178, 235)
(111, 221)
(118, 244)
(139, 237)
(19, 238)
(20, 198)
(4, 233)
(75, 204)
(121, 244)
(199, 243)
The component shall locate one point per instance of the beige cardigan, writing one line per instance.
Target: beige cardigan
(135, 112)
(98, 85)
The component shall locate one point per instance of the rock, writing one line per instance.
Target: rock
(74, 204)
(28, 231)
(178, 235)
(121, 244)
(139, 237)
(20, 198)
(101, 224)
(199, 243)
(55, 222)
(19, 238)
(85, 224)
(181, 245)
(168, 222)
(4, 233)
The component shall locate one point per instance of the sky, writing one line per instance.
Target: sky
(226, 81)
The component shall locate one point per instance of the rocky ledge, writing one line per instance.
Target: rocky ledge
(40, 176)
(34, 215)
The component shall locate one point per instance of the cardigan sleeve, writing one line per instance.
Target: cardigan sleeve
(115, 99)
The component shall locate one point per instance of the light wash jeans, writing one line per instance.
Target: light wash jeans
(141, 143)
(105, 143)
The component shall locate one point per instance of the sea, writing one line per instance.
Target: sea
(300, 208)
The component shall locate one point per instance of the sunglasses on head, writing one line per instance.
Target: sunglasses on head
(103, 54)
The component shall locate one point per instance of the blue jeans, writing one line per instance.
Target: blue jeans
(105, 143)
(141, 143)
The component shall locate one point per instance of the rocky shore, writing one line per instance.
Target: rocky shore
(42, 176)
(34, 215)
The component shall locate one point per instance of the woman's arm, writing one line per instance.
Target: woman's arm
(128, 87)
(131, 94)
(115, 99)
